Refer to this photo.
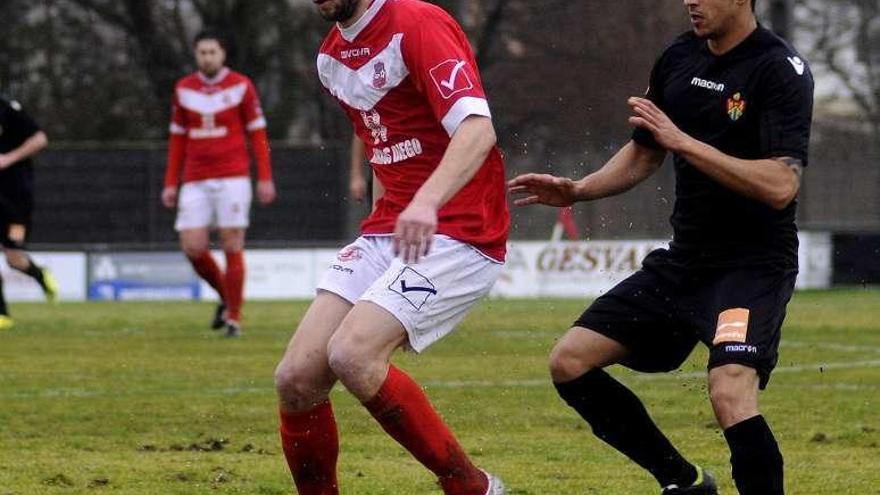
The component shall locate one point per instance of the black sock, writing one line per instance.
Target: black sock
(618, 418)
(3, 309)
(35, 272)
(755, 457)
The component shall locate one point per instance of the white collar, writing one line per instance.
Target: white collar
(216, 79)
(352, 32)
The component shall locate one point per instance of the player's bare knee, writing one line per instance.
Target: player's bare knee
(568, 363)
(194, 249)
(733, 392)
(347, 356)
(232, 245)
(15, 259)
(297, 388)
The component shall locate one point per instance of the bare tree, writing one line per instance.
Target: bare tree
(843, 40)
(105, 69)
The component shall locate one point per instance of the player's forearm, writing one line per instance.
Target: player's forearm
(769, 180)
(378, 190)
(630, 166)
(176, 155)
(466, 153)
(29, 148)
(357, 158)
(262, 154)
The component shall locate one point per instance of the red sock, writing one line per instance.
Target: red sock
(207, 268)
(403, 410)
(234, 284)
(311, 446)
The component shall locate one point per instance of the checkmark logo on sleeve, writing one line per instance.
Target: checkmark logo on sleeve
(450, 83)
(451, 77)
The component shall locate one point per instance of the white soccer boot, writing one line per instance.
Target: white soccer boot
(496, 486)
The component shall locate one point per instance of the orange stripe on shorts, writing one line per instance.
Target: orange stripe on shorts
(733, 326)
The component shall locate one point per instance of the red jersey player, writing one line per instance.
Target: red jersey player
(212, 112)
(434, 245)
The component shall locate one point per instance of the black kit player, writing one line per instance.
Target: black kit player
(20, 139)
(733, 104)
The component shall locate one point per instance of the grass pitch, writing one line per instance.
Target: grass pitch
(143, 399)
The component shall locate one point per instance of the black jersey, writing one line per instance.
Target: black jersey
(753, 102)
(16, 127)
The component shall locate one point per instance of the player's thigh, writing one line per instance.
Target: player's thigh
(742, 317)
(231, 201)
(194, 210)
(304, 366)
(733, 390)
(14, 239)
(356, 267)
(581, 350)
(431, 297)
(232, 239)
(15, 218)
(369, 333)
(195, 241)
(17, 258)
(348, 275)
(641, 314)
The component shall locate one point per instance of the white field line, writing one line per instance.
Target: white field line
(829, 346)
(825, 346)
(819, 368)
(429, 384)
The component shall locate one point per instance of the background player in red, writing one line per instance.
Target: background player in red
(212, 112)
(434, 244)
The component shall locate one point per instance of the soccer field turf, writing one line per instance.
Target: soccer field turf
(136, 398)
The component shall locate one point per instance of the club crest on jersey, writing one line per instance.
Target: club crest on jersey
(373, 121)
(349, 254)
(736, 106)
(380, 75)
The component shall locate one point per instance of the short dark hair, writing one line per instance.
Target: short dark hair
(210, 34)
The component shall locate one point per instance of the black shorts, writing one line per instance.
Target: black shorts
(15, 214)
(663, 310)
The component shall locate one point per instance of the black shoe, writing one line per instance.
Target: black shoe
(233, 329)
(705, 485)
(219, 317)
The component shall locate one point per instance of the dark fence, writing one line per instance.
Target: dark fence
(110, 196)
(97, 196)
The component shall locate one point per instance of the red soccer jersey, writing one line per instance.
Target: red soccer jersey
(406, 76)
(213, 115)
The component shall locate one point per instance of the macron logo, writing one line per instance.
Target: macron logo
(710, 85)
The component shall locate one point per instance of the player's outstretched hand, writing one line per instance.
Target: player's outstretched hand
(169, 196)
(414, 232)
(266, 192)
(647, 116)
(543, 189)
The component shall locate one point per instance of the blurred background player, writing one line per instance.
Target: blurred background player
(433, 246)
(212, 112)
(733, 103)
(20, 139)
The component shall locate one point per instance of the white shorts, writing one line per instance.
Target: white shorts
(429, 298)
(223, 203)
